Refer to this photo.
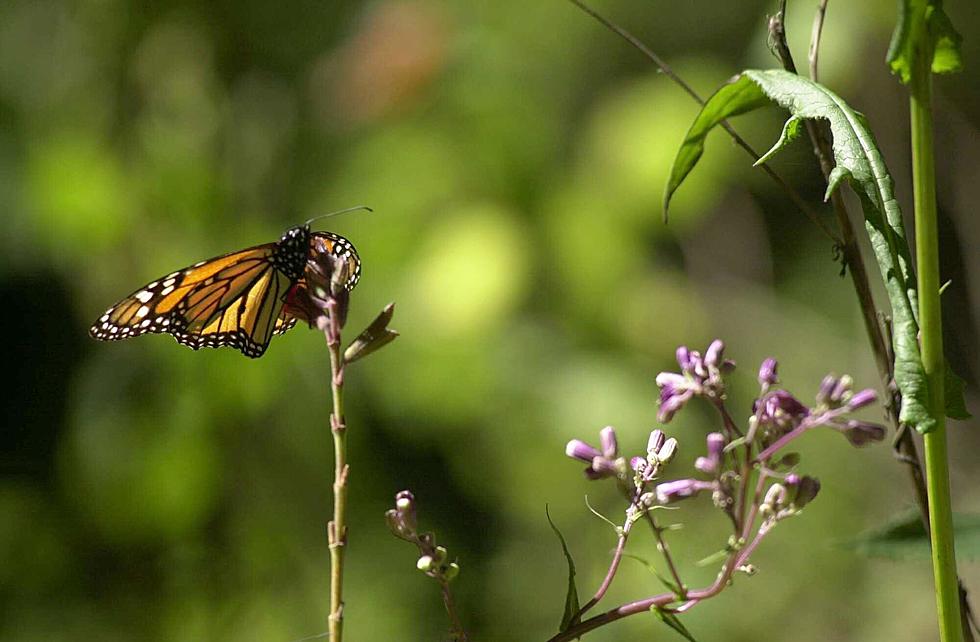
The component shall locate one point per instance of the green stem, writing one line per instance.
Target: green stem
(930, 318)
(337, 528)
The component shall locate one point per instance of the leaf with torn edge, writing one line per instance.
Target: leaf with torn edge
(945, 41)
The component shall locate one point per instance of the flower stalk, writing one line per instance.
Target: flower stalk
(433, 559)
(323, 303)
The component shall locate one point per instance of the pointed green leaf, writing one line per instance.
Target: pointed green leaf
(736, 97)
(860, 163)
(904, 538)
(570, 615)
(674, 622)
(924, 17)
(791, 131)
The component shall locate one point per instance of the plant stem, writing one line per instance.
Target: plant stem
(337, 528)
(905, 447)
(455, 626)
(930, 319)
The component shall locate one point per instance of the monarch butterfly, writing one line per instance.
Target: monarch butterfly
(237, 299)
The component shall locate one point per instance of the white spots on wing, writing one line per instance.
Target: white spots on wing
(143, 296)
(145, 323)
(150, 286)
(143, 311)
(104, 317)
(169, 282)
(167, 290)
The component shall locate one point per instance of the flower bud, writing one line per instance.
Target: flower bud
(670, 492)
(451, 571)
(425, 563)
(775, 499)
(826, 389)
(684, 358)
(667, 451)
(607, 437)
(862, 399)
(713, 356)
(767, 372)
(842, 388)
(578, 449)
(656, 441)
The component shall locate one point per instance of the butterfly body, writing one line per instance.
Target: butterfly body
(236, 300)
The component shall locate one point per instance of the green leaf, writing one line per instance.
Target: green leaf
(570, 615)
(674, 622)
(670, 586)
(859, 162)
(904, 538)
(732, 99)
(955, 402)
(791, 131)
(915, 19)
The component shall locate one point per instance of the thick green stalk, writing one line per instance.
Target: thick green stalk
(337, 528)
(930, 318)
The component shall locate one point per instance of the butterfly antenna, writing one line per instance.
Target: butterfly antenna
(343, 211)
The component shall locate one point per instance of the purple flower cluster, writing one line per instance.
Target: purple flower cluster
(777, 418)
(699, 376)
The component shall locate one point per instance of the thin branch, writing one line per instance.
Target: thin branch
(455, 626)
(794, 196)
(814, 53)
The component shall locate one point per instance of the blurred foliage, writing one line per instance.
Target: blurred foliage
(515, 155)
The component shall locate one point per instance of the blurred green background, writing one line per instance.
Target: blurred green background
(515, 154)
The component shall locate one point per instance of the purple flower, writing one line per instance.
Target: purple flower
(826, 389)
(675, 391)
(601, 464)
(670, 492)
(607, 437)
(578, 449)
(711, 464)
(656, 441)
(684, 358)
(782, 411)
(862, 399)
(767, 372)
(698, 376)
(861, 433)
(713, 356)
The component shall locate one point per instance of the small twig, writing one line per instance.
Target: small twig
(814, 53)
(455, 626)
(794, 196)
(658, 533)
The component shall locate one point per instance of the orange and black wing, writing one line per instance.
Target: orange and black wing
(232, 300)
